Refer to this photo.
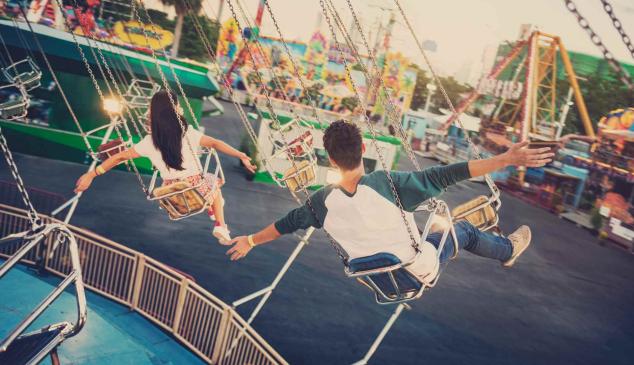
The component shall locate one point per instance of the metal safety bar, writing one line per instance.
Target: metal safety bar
(266, 292)
(32, 239)
(435, 207)
(18, 73)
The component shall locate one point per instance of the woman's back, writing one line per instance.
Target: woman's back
(191, 164)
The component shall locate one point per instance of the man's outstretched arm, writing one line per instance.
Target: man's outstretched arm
(517, 155)
(299, 218)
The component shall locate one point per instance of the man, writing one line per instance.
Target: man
(362, 215)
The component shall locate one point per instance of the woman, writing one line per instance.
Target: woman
(171, 152)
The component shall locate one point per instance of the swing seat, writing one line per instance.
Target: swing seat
(24, 73)
(110, 149)
(300, 177)
(179, 199)
(301, 145)
(14, 108)
(139, 93)
(386, 275)
(479, 212)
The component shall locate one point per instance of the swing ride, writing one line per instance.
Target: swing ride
(289, 152)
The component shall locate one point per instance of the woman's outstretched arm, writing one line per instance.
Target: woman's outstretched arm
(225, 148)
(84, 181)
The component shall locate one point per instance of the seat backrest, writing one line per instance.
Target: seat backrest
(302, 176)
(481, 217)
(179, 199)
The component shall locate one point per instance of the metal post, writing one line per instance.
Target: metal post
(564, 113)
(381, 336)
(266, 292)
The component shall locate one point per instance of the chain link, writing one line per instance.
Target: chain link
(375, 144)
(618, 25)
(392, 111)
(32, 213)
(227, 85)
(342, 254)
(135, 10)
(594, 37)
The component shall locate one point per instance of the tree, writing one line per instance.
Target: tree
(191, 44)
(454, 89)
(420, 90)
(601, 95)
(181, 7)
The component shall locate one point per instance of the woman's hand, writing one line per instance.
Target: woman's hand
(240, 249)
(520, 155)
(83, 183)
(246, 161)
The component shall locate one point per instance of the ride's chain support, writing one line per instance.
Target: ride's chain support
(370, 126)
(32, 213)
(618, 26)
(342, 255)
(594, 37)
(376, 79)
(135, 10)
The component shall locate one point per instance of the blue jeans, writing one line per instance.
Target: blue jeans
(475, 241)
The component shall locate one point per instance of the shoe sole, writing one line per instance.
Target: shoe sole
(512, 260)
(222, 238)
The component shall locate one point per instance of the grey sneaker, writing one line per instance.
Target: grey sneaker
(520, 239)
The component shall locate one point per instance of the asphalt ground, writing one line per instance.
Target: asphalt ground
(567, 300)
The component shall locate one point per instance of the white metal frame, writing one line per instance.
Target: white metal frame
(32, 238)
(15, 108)
(30, 79)
(218, 173)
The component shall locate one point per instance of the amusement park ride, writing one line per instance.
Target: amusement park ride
(288, 142)
(534, 114)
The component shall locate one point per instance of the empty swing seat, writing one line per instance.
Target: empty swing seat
(179, 199)
(299, 176)
(24, 73)
(14, 108)
(32, 348)
(479, 212)
(386, 275)
(110, 149)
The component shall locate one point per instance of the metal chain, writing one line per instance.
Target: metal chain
(619, 26)
(370, 126)
(32, 213)
(391, 109)
(269, 65)
(594, 37)
(169, 63)
(182, 123)
(342, 254)
(113, 119)
(436, 78)
(223, 79)
(56, 81)
(293, 62)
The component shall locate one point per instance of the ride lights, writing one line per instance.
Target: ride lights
(112, 105)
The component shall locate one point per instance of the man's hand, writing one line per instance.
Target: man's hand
(520, 155)
(240, 249)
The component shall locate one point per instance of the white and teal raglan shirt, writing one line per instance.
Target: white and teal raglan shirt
(369, 221)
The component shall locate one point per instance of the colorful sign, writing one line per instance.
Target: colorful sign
(133, 32)
(229, 43)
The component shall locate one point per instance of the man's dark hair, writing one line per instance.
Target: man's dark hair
(343, 142)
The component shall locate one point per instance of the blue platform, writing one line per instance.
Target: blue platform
(113, 334)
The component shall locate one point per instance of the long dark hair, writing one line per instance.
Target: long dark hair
(167, 133)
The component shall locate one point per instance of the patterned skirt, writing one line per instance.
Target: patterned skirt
(206, 189)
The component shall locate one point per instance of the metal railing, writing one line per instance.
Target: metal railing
(200, 321)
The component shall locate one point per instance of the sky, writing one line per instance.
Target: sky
(462, 29)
